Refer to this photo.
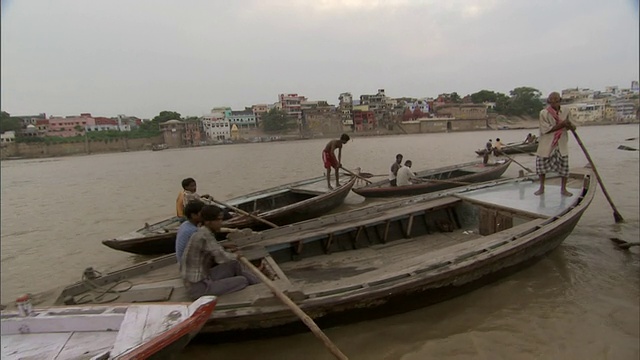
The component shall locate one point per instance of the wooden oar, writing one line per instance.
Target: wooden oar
(370, 175)
(354, 174)
(296, 310)
(245, 213)
(623, 244)
(512, 159)
(616, 215)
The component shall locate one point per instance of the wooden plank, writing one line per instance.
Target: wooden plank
(354, 242)
(327, 245)
(276, 268)
(386, 231)
(131, 330)
(61, 323)
(409, 225)
(84, 345)
(33, 346)
(162, 318)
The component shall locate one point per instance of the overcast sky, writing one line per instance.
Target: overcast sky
(139, 57)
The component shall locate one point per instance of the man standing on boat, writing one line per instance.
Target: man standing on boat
(227, 274)
(393, 171)
(329, 158)
(553, 152)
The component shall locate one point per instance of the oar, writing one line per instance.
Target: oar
(512, 159)
(616, 215)
(245, 213)
(370, 175)
(354, 174)
(296, 310)
(623, 244)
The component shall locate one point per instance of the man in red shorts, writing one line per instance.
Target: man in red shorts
(329, 158)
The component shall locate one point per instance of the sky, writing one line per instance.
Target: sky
(138, 58)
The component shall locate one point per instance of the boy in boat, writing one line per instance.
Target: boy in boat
(405, 175)
(497, 148)
(553, 152)
(189, 193)
(329, 158)
(393, 171)
(227, 274)
(189, 227)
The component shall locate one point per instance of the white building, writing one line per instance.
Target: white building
(8, 137)
(216, 129)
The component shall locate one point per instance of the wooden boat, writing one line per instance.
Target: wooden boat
(385, 258)
(104, 331)
(518, 148)
(285, 204)
(158, 147)
(438, 179)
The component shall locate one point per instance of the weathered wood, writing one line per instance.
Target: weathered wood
(409, 225)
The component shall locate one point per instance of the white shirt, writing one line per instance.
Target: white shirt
(404, 175)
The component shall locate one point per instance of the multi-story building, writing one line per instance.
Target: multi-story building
(70, 125)
(30, 119)
(587, 111)
(191, 135)
(172, 132)
(378, 104)
(258, 111)
(364, 120)
(625, 110)
(7, 137)
(291, 104)
(569, 95)
(219, 113)
(103, 124)
(345, 107)
(42, 125)
(244, 119)
(216, 129)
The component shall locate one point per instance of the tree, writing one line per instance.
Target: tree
(455, 98)
(7, 123)
(524, 101)
(275, 120)
(483, 96)
(163, 116)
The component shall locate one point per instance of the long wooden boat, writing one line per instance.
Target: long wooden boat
(519, 148)
(382, 259)
(104, 331)
(282, 205)
(438, 179)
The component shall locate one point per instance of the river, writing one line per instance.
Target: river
(580, 302)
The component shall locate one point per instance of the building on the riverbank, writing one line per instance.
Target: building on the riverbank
(462, 111)
(172, 132)
(442, 124)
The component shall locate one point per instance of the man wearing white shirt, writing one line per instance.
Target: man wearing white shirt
(405, 175)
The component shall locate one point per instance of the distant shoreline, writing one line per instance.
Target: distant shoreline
(494, 125)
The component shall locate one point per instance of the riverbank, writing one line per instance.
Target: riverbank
(19, 151)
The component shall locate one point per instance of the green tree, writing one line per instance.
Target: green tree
(275, 120)
(163, 116)
(483, 96)
(524, 101)
(7, 123)
(455, 98)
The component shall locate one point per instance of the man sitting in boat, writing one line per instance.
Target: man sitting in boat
(189, 193)
(405, 175)
(189, 227)
(487, 152)
(393, 170)
(227, 274)
(497, 148)
(530, 139)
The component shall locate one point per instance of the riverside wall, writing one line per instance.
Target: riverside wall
(42, 150)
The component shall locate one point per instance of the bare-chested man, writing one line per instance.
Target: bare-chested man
(329, 157)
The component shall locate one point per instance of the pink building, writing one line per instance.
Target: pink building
(70, 126)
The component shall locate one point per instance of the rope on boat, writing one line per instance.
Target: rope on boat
(96, 292)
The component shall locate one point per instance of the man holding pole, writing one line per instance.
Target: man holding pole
(553, 153)
(329, 158)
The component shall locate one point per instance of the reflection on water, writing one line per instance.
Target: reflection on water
(580, 302)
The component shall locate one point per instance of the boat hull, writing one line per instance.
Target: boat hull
(381, 189)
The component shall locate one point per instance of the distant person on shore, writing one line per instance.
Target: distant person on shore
(393, 170)
(189, 227)
(329, 158)
(405, 175)
(227, 274)
(553, 152)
